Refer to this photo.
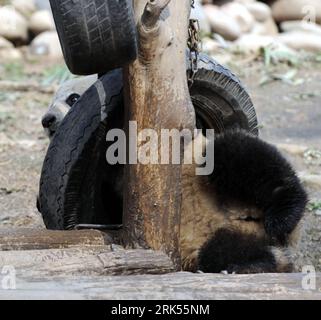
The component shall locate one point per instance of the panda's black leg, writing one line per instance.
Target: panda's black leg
(278, 260)
(234, 251)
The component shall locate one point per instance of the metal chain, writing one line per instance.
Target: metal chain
(193, 44)
(193, 3)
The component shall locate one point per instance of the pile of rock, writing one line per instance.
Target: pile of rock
(248, 25)
(27, 22)
(243, 25)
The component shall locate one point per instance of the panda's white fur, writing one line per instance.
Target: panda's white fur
(59, 107)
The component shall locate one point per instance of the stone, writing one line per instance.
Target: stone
(244, 1)
(240, 14)
(13, 26)
(300, 40)
(43, 4)
(25, 7)
(311, 180)
(46, 43)
(309, 10)
(267, 27)
(252, 43)
(5, 44)
(297, 25)
(221, 23)
(10, 54)
(41, 21)
(260, 11)
(292, 149)
(312, 157)
(224, 58)
(209, 45)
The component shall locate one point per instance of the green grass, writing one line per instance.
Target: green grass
(314, 206)
(56, 75)
(12, 71)
(279, 55)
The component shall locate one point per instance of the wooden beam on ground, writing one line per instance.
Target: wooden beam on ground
(79, 261)
(33, 239)
(170, 286)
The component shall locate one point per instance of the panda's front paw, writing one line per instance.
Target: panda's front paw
(258, 266)
(239, 268)
(236, 269)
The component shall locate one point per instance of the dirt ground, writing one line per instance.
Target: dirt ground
(289, 112)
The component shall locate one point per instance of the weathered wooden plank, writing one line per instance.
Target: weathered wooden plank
(170, 286)
(32, 239)
(101, 260)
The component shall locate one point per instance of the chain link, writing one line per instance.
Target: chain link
(193, 44)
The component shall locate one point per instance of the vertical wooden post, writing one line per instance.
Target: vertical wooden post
(157, 98)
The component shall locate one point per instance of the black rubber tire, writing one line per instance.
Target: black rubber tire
(95, 35)
(78, 186)
(74, 157)
(220, 100)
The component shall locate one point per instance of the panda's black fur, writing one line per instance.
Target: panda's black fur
(233, 251)
(250, 176)
(254, 172)
(242, 217)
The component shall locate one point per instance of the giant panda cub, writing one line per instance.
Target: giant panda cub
(245, 215)
(65, 97)
(242, 218)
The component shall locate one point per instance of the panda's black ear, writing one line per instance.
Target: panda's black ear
(72, 99)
